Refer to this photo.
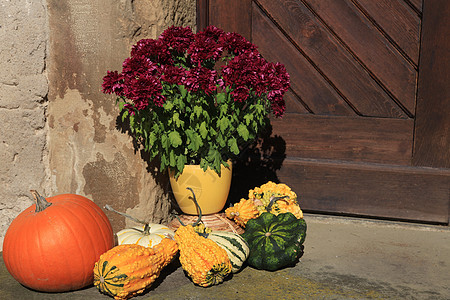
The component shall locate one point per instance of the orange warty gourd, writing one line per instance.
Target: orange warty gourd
(52, 246)
(203, 260)
(129, 269)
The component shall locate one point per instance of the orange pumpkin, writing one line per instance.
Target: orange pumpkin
(53, 246)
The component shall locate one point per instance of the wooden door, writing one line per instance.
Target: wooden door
(366, 130)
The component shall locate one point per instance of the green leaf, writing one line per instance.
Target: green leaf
(165, 142)
(168, 105)
(232, 143)
(152, 138)
(203, 130)
(194, 141)
(243, 131)
(175, 139)
(215, 159)
(124, 115)
(176, 119)
(197, 111)
(248, 118)
(164, 162)
(181, 161)
(132, 125)
(183, 90)
(221, 140)
(172, 159)
(223, 109)
(221, 97)
(223, 124)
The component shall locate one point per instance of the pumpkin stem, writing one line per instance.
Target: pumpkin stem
(41, 203)
(146, 227)
(272, 202)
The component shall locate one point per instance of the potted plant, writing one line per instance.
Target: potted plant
(197, 100)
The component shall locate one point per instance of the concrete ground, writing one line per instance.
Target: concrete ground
(344, 258)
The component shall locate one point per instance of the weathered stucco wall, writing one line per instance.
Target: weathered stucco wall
(69, 141)
(23, 102)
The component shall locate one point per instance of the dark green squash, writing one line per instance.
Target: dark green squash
(274, 241)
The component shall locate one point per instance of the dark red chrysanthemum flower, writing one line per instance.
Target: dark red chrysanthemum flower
(159, 64)
(246, 69)
(200, 78)
(236, 43)
(172, 74)
(204, 48)
(136, 65)
(112, 83)
(155, 50)
(212, 32)
(279, 82)
(240, 93)
(177, 38)
(141, 90)
(278, 106)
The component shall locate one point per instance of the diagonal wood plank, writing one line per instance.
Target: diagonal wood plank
(370, 47)
(399, 21)
(417, 4)
(294, 104)
(306, 82)
(332, 59)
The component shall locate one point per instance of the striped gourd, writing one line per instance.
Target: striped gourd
(235, 246)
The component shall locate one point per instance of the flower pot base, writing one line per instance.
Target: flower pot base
(217, 222)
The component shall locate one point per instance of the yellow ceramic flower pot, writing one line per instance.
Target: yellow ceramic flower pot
(211, 190)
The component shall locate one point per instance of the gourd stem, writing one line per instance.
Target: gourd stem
(41, 203)
(179, 220)
(198, 206)
(199, 210)
(128, 216)
(272, 202)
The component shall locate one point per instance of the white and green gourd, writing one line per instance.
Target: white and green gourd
(235, 246)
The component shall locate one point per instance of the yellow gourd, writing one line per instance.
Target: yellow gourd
(286, 206)
(127, 270)
(270, 197)
(242, 211)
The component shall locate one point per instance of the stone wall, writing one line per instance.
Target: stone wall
(59, 132)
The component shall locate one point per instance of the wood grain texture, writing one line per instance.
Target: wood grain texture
(294, 103)
(370, 48)
(328, 55)
(231, 16)
(417, 4)
(406, 193)
(344, 138)
(202, 16)
(432, 127)
(399, 21)
(318, 95)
